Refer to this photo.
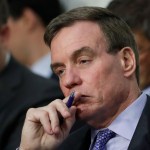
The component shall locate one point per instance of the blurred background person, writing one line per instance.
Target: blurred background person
(136, 14)
(27, 23)
(20, 89)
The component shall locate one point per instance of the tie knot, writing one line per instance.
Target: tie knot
(102, 138)
(105, 135)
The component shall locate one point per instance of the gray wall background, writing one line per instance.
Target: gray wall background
(69, 4)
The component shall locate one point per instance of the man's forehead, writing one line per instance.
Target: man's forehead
(79, 25)
(81, 30)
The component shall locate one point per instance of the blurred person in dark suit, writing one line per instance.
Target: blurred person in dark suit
(27, 23)
(136, 14)
(20, 89)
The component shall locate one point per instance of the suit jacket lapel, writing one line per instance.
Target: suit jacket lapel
(141, 137)
(78, 140)
(85, 141)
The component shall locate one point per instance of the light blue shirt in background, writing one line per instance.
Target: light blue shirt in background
(42, 66)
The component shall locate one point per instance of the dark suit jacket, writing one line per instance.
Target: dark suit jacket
(19, 90)
(80, 140)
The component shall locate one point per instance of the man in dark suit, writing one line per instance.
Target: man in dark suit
(94, 54)
(19, 90)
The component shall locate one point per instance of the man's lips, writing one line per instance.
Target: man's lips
(81, 99)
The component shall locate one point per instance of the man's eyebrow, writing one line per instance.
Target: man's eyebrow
(82, 51)
(56, 65)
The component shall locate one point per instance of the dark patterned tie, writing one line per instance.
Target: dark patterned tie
(102, 138)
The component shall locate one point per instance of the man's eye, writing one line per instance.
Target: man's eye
(59, 72)
(84, 61)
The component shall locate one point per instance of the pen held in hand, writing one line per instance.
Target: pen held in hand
(68, 104)
(70, 100)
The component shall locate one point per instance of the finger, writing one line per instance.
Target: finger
(39, 117)
(70, 120)
(57, 110)
(66, 99)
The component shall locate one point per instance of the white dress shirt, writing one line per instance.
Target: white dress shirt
(124, 125)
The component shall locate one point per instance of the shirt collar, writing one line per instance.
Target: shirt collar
(125, 124)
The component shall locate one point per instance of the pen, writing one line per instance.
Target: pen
(70, 100)
(68, 104)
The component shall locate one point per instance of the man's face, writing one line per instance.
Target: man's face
(17, 40)
(80, 60)
(144, 51)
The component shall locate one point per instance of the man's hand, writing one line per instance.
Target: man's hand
(42, 129)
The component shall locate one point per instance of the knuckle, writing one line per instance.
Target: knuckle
(55, 102)
(30, 111)
(44, 113)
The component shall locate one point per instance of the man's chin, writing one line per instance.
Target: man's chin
(81, 115)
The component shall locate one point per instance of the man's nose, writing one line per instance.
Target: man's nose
(72, 79)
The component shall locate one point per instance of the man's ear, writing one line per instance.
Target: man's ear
(30, 19)
(128, 61)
